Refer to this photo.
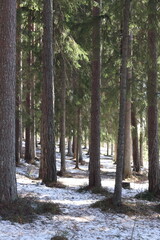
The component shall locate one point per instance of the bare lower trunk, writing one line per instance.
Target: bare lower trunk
(8, 187)
(121, 130)
(63, 116)
(48, 129)
(153, 143)
(94, 170)
(136, 160)
(107, 148)
(69, 153)
(141, 143)
(18, 122)
(128, 142)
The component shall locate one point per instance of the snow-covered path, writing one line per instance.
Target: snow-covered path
(78, 221)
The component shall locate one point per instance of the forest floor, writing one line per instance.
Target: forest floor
(77, 219)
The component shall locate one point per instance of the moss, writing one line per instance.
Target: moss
(95, 190)
(55, 185)
(47, 207)
(25, 210)
(59, 238)
(146, 195)
(128, 208)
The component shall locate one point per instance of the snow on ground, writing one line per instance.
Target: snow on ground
(78, 221)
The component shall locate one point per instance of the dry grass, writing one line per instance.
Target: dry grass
(55, 185)
(146, 195)
(95, 190)
(138, 177)
(128, 207)
(25, 210)
(59, 238)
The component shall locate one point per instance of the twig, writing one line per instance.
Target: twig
(133, 228)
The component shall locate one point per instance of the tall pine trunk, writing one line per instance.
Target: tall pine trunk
(8, 188)
(121, 130)
(94, 170)
(141, 142)
(136, 159)
(128, 139)
(29, 153)
(18, 121)
(153, 148)
(63, 114)
(49, 173)
(128, 142)
(70, 153)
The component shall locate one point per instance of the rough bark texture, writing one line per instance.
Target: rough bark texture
(18, 121)
(136, 159)
(29, 152)
(79, 132)
(141, 143)
(94, 173)
(33, 81)
(128, 138)
(107, 148)
(128, 143)
(153, 149)
(70, 153)
(74, 145)
(48, 142)
(121, 130)
(8, 189)
(63, 115)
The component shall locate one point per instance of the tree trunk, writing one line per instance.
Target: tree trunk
(8, 188)
(141, 142)
(79, 132)
(33, 79)
(128, 142)
(85, 138)
(153, 148)
(69, 153)
(74, 145)
(112, 149)
(121, 130)
(94, 170)
(136, 160)
(107, 148)
(18, 130)
(48, 130)
(128, 139)
(78, 138)
(63, 115)
(28, 144)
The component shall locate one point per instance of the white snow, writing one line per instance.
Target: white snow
(78, 221)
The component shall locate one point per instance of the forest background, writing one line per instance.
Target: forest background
(106, 63)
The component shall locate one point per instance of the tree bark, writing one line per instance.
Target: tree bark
(69, 153)
(63, 115)
(128, 139)
(48, 130)
(153, 148)
(136, 160)
(8, 188)
(128, 142)
(121, 130)
(29, 152)
(18, 121)
(94, 169)
(141, 142)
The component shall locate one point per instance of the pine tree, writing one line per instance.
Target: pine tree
(94, 171)
(8, 189)
(153, 147)
(48, 135)
(121, 130)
